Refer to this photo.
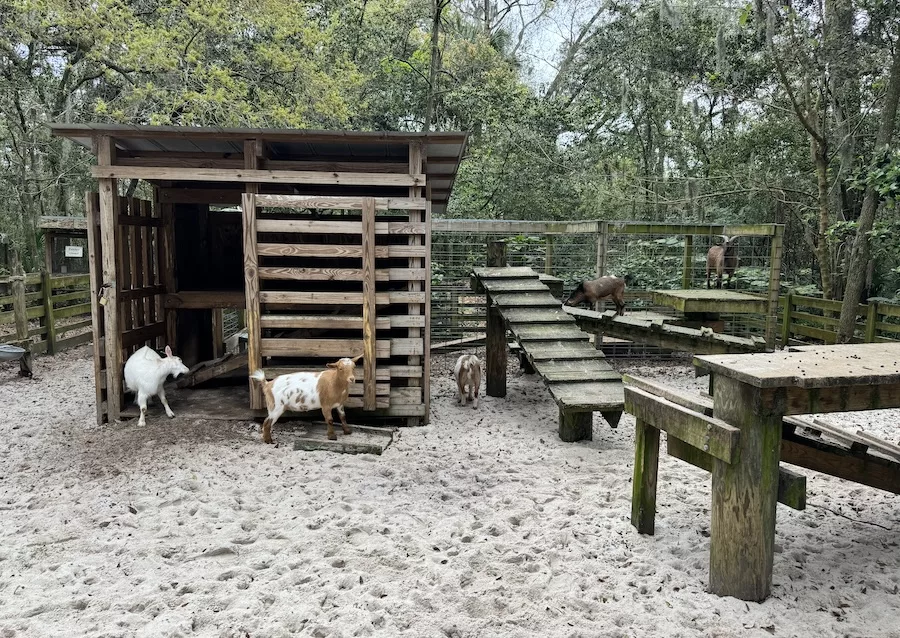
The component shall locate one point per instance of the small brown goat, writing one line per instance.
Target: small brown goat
(593, 291)
(723, 260)
(302, 391)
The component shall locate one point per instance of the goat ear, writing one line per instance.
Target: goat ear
(357, 358)
(168, 351)
(331, 365)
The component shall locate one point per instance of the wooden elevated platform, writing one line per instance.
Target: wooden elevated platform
(579, 378)
(655, 332)
(712, 300)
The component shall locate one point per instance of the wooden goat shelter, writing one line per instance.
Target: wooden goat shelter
(322, 240)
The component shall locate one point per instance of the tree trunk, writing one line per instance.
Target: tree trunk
(435, 65)
(859, 254)
(820, 153)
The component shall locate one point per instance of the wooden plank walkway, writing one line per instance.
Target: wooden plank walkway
(578, 376)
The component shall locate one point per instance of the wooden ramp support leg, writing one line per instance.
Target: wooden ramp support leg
(643, 487)
(495, 352)
(575, 426)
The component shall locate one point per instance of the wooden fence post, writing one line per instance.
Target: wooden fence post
(20, 312)
(548, 255)
(687, 275)
(774, 285)
(602, 248)
(495, 341)
(871, 322)
(786, 319)
(49, 320)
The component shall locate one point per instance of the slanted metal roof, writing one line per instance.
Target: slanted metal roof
(443, 150)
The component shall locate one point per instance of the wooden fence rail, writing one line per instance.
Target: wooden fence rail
(59, 304)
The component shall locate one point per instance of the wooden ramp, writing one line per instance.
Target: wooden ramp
(579, 378)
(656, 332)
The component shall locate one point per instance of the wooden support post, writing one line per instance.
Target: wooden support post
(49, 321)
(643, 484)
(548, 255)
(687, 273)
(20, 312)
(109, 233)
(92, 213)
(251, 291)
(602, 249)
(416, 163)
(495, 342)
(575, 426)
(218, 333)
(774, 285)
(786, 319)
(368, 310)
(745, 494)
(871, 321)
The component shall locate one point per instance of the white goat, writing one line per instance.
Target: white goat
(145, 375)
(303, 391)
(468, 373)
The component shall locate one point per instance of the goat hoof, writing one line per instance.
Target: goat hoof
(332, 436)
(268, 440)
(171, 415)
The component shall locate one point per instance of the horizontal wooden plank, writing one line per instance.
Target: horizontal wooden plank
(515, 285)
(350, 298)
(503, 272)
(705, 433)
(537, 315)
(340, 274)
(339, 347)
(548, 332)
(836, 461)
(690, 400)
(339, 203)
(66, 281)
(30, 298)
(329, 227)
(335, 250)
(791, 486)
(70, 296)
(406, 396)
(562, 350)
(256, 176)
(335, 322)
(130, 294)
(382, 373)
(321, 347)
(32, 313)
(525, 300)
(143, 334)
(206, 299)
(584, 370)
(593, 396)
(71, 342)
(72, 311)
(78, 325)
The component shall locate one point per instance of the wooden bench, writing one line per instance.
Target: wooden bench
(579, 378)
(694, 436)
(697, 438)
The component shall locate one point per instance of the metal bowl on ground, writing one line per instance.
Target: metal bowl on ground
(10, 353)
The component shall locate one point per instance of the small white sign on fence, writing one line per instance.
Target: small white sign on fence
(74, 251)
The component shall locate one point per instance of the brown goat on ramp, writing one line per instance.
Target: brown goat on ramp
(597, 289)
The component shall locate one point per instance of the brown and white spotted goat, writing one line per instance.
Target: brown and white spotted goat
(303, 391)
(597, 289)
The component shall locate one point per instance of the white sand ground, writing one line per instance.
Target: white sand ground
(482, 524)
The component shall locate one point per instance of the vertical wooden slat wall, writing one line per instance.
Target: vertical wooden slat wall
(251, 293)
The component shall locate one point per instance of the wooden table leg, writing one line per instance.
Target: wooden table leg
(643, 485)
(744, 494)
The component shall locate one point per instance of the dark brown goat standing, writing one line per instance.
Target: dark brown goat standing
(723, 260)
(594, 291)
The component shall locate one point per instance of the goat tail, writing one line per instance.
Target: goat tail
(259, 375)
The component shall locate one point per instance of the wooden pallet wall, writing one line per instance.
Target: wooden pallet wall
(339, 277)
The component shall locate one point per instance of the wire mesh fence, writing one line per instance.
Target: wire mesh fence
(650, 257)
